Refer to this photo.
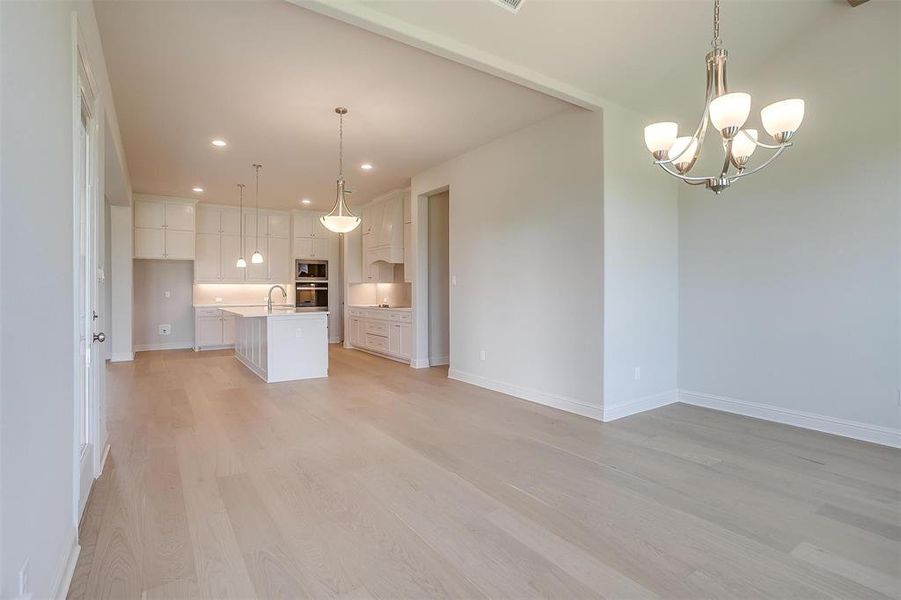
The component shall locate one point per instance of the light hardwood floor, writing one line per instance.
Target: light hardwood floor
(388, 482)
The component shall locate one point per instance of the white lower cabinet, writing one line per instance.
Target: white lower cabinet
(382, 331)
(213, 329)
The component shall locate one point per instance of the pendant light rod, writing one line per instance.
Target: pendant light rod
(340, 219)
(257, 257)
(241, 263)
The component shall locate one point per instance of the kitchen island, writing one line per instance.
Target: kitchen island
(282, 345)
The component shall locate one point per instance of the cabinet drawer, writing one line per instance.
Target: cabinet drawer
(207, 312)
(356, 312)
(376, 327)
(403, 317)
(376, 342)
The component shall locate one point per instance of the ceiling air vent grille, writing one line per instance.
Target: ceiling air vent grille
(511, 5)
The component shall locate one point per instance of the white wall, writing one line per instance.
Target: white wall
(439, 285)
(790, 279)
(152, 279)
(37, 372)
(524, 209)
(121, 283)
(641, 284)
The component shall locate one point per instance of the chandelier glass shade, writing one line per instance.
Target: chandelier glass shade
(340, 219)
(728, 113)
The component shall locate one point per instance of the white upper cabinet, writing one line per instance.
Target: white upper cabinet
(150, 214)
(272, 223)
(164, 228)
(311, 238)
(180, 216)
(219, 246)
(383, 229)
(230, 220)
(208, 219)
(279, 225)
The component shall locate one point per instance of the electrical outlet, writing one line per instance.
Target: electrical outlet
(482, 355)
(453, 280)
(218, 299)
(166, 329)
(637, 373)
(167, 294)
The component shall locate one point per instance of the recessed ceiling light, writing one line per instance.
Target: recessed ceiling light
(305, 201)
(366, 167)
(197, 189)
(219, 143)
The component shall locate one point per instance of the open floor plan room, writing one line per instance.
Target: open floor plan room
(382, 481)
(461, 299)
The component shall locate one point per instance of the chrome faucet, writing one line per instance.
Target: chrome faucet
(284, 294)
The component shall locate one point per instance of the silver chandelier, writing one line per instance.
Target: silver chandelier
(728, 113)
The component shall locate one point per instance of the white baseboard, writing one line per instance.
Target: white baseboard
(420, 363)
(532, 395)
(68, 560)
(434, 361)
(613, 412)
(106, 450)
(876, 434)
(334, 340)
(164, 346)
(122, 357)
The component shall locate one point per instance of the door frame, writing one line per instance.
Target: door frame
(86, 205)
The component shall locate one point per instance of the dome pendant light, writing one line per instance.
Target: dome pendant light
(257, 257)
(727, 112)
(340, 220)
(242, 264)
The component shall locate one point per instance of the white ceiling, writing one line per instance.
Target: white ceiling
(644, 54)
(266, 76)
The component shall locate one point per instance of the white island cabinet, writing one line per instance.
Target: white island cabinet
(283, 345)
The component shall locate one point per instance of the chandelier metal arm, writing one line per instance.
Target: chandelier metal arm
(686, 178)
(775, 155)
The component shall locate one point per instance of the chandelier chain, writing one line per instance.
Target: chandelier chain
(341, 145)
(716, 42)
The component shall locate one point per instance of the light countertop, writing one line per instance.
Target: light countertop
(225, 305)
(374, 307)
(284, 312)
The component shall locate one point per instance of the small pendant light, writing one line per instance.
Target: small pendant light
(257, 257)
(340, 220)
(242, 264)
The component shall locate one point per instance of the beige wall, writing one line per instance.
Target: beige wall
(439, 276)
(789, 281)
(152, 279)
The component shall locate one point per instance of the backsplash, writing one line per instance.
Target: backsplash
(238, 293)
(368, 294)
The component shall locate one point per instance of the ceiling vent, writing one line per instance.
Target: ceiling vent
(511, 5)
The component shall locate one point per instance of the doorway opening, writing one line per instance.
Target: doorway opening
(439, 278)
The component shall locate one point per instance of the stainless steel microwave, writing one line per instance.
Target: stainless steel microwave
(311, 270)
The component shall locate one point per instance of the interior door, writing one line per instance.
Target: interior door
(90, 372)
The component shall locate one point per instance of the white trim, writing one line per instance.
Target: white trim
(876, 434)
(335, 340)
(63, 580)
(613, 412)
(104, 456)
(122, 357)
(360, 15)
(380, 355)
(592, 411)
(439, 360)
(420, 363)
(166, 346)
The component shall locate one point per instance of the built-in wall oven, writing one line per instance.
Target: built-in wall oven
(311, 270)
(311, 295)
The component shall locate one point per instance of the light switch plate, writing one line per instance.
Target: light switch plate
(165, 329)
